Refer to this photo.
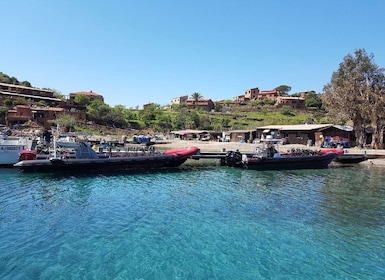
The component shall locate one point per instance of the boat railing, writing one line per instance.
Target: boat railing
(302, 152)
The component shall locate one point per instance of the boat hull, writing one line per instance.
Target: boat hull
(350, 158)
(144, 162)
(9, 154)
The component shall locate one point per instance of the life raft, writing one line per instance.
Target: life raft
(27, 155)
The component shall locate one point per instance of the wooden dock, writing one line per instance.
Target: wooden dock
(209, 155)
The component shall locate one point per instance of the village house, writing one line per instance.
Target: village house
(239, 99)
(308, 134)
(269, 94)
(21, 114)
(251, 94)
(179, 100)
(241, 135)
(12, 92)
(295, 102)
(190, 134)
(90, 94)
(304, 134)
(204, 104)
(256, 94)
(49, 106)
(209, 135)
(147, 105)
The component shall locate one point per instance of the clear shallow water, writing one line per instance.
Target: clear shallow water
(198, 222)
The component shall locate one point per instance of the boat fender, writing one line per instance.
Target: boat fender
(244, 159)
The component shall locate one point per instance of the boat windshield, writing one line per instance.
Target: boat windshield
(269, 147)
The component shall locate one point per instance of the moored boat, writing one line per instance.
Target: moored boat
(10, 147)
(350, 158)
(84, 159)
(268, 158)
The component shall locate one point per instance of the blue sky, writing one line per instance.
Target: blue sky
(135, 52)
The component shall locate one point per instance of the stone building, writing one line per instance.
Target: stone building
(204, 104)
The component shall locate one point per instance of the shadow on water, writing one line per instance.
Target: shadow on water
(106, 173)
(343, 196)
(355, 196)
(78, 186)
(189, 166)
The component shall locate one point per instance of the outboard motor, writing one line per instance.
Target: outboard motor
(234, 159)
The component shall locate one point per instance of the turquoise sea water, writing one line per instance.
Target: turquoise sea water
(195, 222)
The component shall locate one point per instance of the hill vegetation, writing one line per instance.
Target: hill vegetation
(157, 119)
(4, 78)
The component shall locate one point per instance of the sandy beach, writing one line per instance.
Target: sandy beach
(211, 146)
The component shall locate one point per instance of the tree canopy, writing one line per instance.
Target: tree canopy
(284, 89)
(356, 93)
(4, 78)
(3, 114)
(196, 96)
(66, 121)
(313, 100)
(82, 99)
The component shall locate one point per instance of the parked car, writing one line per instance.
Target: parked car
(206, 137)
